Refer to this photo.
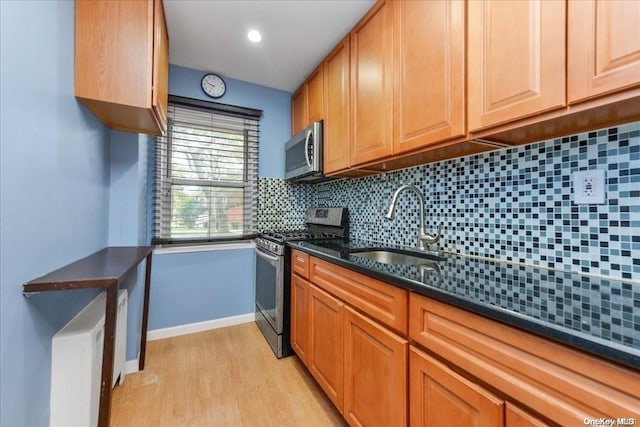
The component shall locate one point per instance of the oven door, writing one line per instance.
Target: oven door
(270, 288)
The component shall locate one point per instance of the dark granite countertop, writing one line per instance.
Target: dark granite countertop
(596, 315)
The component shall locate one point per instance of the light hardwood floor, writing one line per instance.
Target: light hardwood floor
(223, 377)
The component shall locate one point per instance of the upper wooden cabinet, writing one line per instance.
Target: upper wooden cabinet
(429, 55)
(160, 65)
(315, 95)
(428, 83)
(603, 47)
(516, 59)
(299, 110)
(372, 85)
(307, 103)
(122, 63)
(336, 108)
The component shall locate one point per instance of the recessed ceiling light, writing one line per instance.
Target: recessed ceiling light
(254, 36)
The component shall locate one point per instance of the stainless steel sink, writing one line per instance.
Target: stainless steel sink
(398, 256)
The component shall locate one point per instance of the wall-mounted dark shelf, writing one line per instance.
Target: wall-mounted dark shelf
(103, 270)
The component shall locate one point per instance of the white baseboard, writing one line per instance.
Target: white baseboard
(191, 328)
(131, 366)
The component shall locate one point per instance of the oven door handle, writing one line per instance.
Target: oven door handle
(273, 258)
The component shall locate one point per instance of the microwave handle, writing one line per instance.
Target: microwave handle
(306, 149)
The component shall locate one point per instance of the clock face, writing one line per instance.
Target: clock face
(213, 85)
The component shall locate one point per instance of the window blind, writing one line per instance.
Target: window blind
(205, 173)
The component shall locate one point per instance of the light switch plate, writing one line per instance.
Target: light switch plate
(589, 187)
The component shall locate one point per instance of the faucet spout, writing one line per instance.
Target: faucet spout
(423, 236)
(391, 213)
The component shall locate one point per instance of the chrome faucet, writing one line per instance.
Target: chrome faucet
(424, 238)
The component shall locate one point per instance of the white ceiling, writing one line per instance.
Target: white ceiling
(211, 35)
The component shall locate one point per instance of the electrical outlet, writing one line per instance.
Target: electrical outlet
(589, 187)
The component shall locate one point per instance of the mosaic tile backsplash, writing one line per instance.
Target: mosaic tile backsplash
(282, 204)
(513, 204)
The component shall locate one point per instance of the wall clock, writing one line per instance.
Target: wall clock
(213, 85)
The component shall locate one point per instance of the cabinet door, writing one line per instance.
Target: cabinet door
(603, 47)
(516, 417)
(326, 343)
(516, 59)
(300, 317)
(160, 65)
(336, 117)
(375, 373)
(299, 110)
(114, 63)
(441, 397)
(429, 54)
(315, 95)
(372, 85)
(105, 68)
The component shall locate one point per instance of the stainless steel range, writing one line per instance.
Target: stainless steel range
(273, 274)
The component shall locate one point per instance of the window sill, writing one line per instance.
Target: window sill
(245, 244)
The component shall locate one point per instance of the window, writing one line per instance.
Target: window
(205, 173)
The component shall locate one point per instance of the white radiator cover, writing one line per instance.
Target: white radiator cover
(76, 363)
(120, 355)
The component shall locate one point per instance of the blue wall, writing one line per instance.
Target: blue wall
(127, 219)
(201, 286)
(275, 125)
(54, 189)
(69, 187)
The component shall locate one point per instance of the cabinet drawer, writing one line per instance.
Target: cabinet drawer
(300, 263)
(385, 303)
(560, 383)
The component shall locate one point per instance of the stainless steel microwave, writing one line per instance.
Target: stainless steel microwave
(303, 155)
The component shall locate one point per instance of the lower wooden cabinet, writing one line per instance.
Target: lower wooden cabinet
(561, 384)
(326, 317)
(516, 417)
(441, 397)
(300, 317)
(375, 370)
(300, 264)
(360, 364)
(461, 368)
(438, 396)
